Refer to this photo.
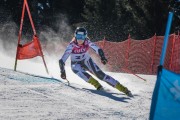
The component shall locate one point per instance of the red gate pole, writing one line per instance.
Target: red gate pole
(43, 57)
(34, 30)
(30, 17)
(20, 33)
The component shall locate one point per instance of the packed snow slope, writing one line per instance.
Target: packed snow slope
(29, 97)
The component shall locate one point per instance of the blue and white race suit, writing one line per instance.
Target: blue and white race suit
(81, 61)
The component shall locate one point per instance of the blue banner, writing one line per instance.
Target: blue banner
(166, 97)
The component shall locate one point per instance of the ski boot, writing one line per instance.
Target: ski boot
(95, 83)
(123, 89)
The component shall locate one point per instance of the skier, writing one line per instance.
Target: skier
(82, 62)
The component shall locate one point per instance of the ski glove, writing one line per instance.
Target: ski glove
(103, 58)
(63, 75)
(61, 65)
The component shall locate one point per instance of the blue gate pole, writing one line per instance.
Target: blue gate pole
(166, 37)
(163, 54)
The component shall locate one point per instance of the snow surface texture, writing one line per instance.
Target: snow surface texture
(26, 97)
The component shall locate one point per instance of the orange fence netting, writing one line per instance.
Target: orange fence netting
(141, 56)
(135, 56)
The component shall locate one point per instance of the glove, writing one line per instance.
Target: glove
(104, 60)
(61, 65)
(63, 75)
(101, 54)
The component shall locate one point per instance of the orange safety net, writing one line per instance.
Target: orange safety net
(175, 59)
(141, 56)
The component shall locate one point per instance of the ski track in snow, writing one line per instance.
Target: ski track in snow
(23, 96)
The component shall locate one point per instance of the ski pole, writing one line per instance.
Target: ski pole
(67, 81)
(126, 70)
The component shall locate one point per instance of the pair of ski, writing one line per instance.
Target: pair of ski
(66, 82)
(93, 91)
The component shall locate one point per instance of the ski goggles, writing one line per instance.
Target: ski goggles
(80, 37)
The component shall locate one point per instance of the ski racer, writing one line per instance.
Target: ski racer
(82, 62)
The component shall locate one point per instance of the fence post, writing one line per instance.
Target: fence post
(172, 53)
(127, 51)
(178, 53)
(153, 54)
(104, 40)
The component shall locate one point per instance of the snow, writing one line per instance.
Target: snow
(26, 97)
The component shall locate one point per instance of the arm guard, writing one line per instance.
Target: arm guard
(61, 65)
(101, 53)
